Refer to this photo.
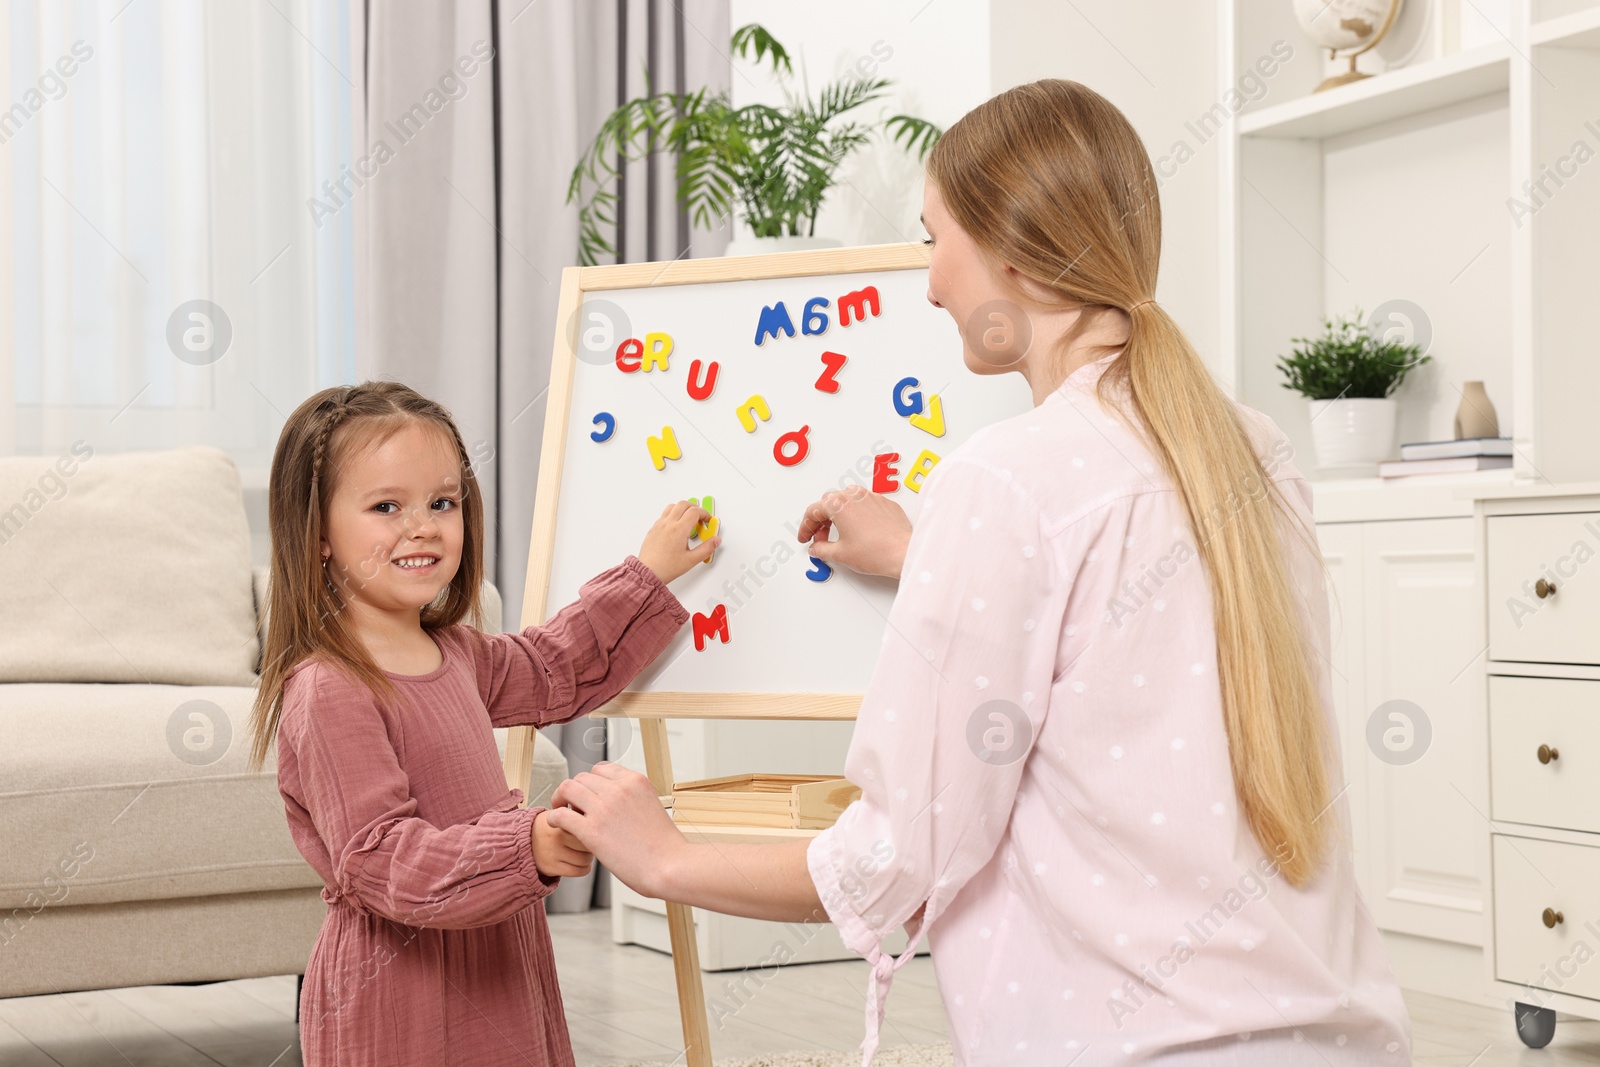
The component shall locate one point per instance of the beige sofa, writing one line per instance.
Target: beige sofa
(139, 849)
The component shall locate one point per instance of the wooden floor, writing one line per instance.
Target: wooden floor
(621, 1007)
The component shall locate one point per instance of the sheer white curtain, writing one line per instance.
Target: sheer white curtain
(154, 154)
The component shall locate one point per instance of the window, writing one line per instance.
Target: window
(168, 282)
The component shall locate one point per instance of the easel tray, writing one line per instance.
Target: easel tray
(791, 801)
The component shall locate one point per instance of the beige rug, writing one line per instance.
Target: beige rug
(896, 1056)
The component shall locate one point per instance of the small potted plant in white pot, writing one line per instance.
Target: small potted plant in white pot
(773, 165)
(1348, 375)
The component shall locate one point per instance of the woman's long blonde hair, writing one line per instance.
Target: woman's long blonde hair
(305, 617)
(1050, 178)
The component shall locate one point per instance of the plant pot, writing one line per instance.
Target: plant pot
(1352, 434)
(756, 246)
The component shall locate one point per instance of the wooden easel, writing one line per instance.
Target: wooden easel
(653, 709)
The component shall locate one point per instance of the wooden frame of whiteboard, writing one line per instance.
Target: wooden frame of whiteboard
(651, 709)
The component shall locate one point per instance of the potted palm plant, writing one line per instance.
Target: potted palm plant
(1348, 375)
(774, 165)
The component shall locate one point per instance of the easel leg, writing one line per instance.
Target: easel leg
(680, 918)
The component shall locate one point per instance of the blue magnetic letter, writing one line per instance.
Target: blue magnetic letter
(901, 405)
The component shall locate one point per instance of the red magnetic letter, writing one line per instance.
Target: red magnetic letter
(702, 390)
(884, 472)
(629, 349)
(715, 624)
(835, 362)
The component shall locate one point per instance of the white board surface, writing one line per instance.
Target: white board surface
(786, 633)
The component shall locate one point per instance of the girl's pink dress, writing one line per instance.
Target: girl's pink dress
(434, 949)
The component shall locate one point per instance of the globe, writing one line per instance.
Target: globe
(1341, 24)
(1350, 26)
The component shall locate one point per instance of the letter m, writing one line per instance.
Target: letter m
(772, 320)
(713, 625)
(857, 302)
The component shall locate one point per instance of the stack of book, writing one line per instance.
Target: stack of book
(1448, 457)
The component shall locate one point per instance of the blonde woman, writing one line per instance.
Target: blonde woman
(1097, 759)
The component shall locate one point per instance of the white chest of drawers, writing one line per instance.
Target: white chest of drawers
(1541, 557)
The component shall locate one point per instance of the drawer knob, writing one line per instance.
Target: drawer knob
(1543, 589)
(1546, 753)
(1552, 918)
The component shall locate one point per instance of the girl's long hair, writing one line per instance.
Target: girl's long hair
(1050, 178)
(305, 614)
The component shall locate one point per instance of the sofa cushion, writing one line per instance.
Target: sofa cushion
(126, 567)
(142, 792)
(136, 792)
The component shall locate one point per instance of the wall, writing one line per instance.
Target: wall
(1156, 60)
(935, 51)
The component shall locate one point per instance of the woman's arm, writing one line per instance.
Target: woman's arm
(615, 813)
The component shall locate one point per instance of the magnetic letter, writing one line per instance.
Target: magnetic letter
(857, 302)
(772, 320)
(924, 465)
(884, 472)
(713, 625)
(902, 406)
(932, 420)
(629, 349)
(657, 347)
(835, 362)
(814, 320)
(664, 448)
(705, 531)
(822, 573)
(801, 446)
(609, 421)
(755, 407)
(699, 390)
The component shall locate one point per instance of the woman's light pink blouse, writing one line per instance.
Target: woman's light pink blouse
(1043, 764)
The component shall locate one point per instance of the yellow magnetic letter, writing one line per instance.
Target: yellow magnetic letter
(923, 466)
(756, 405)
(657, 347)
(931, 420)
(664, 448)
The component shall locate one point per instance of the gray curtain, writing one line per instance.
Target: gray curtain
(462, 228)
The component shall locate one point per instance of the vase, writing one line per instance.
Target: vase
(755, 246)
(1352, 434)
(1475, 416)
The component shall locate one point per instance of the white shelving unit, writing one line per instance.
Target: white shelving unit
(1466, 187)
(1402, 187)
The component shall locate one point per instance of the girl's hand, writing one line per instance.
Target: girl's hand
(558, 854)
(666, 546)
(873, 531)
(617, 815)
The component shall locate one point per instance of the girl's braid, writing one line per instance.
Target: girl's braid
(331, 418)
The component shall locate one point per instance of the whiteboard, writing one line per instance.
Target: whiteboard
(786, 632)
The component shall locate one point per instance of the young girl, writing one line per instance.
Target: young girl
(434, 949)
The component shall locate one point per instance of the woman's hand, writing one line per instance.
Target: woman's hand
(617, 816)
(558, 854)
(666, 546)
(873, 531)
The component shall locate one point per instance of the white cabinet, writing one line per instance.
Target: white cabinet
(1544, 738)
(1407, 608)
